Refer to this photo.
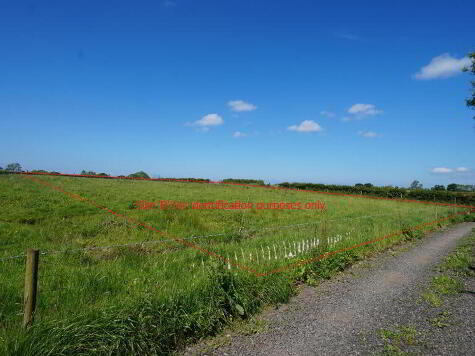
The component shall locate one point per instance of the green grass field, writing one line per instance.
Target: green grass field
(156, 294)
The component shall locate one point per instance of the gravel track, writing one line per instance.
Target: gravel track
(343, 315)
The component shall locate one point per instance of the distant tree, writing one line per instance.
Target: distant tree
(244, 181)
(359, 185)
(438, 187)
(88, 173)
(369, 185)
(464, 188)
(140, 174)
(471, 101)
(103, 174)
(452, 187)
(13, 167)
(415, 185)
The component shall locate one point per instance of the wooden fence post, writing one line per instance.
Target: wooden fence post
(31, 285)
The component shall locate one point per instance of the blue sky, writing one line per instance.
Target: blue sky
(331, 92)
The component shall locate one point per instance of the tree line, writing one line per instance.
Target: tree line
(16, 168)
(414, 192)
(454, 193)
(244, 181)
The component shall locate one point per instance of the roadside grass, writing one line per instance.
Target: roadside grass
(442, 320)
(456, 265)
(391, 350)
(399, 337)
(432, 298)
(446, 285)
(461, 261)
(441, 285)
(158, 295)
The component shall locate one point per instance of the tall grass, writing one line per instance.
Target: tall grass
(152, 297)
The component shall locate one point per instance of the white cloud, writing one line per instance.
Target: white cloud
(306, 126)
(240, 105)
(327, 113)
(445, 170)
(442, 66)
(239, 134)
(442, 170)
(368, 134)
(363, 110)
(207, 121)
